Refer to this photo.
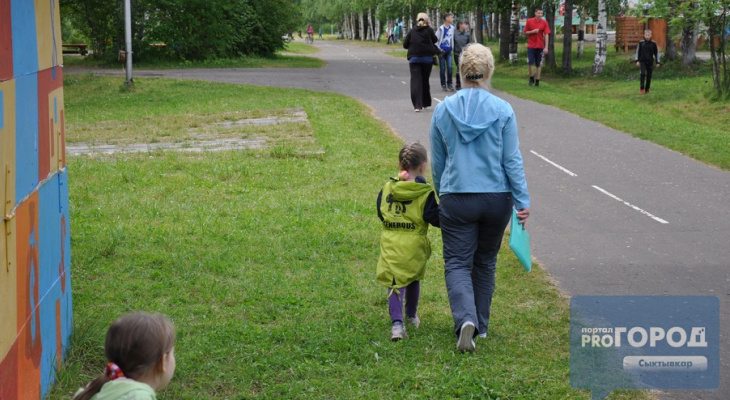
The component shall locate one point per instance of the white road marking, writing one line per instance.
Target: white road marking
(437, 100)
(567, 171)
(648, 214)
(403, 82)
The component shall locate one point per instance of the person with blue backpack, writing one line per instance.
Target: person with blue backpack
(445, 36)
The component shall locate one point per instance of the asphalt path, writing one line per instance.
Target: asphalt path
(611, 214)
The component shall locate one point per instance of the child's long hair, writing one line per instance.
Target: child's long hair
(412, 156)
(135, 343)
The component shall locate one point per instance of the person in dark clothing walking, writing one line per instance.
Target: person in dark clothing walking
(461, 39)
(421, 44)
(646, 53)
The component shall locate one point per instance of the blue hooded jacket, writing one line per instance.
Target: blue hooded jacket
(475, 148)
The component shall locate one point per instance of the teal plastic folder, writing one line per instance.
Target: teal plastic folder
(519, 242)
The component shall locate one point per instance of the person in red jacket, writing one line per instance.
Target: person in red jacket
(537, 31)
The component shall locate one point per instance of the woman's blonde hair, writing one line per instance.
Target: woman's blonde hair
(423, 19)
(476, 65)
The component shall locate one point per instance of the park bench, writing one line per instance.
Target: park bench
(76, 48)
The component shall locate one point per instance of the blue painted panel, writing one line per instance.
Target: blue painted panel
(25, 37)
(50, 288)
(66, 302)
(49, 362)
(26, 138)
(49, 239)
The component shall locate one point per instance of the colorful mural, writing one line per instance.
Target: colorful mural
(35, 258)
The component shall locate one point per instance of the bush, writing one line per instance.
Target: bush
(189, 29)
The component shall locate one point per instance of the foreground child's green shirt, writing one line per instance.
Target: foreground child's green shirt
(404, 246)
(125, 389)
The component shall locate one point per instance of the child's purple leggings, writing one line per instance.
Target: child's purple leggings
(395, 301)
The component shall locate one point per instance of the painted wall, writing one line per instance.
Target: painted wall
(35, 281)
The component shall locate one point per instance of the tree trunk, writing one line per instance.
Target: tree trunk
(713, 55)
(599, 62)
(568, 36)
(369, 23)
(353, 26)
(670, 52)
(377, 24)
(477, 27)
(514, 31)
(720, 77)
(361, 28)
(582, 30)
(689, 40)
(495, 25)
(550, 18)
(504, 42)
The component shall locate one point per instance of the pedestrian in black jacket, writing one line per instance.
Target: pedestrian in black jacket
(646, 53)
(421, 44)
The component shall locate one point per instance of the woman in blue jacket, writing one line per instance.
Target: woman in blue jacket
(478, 174)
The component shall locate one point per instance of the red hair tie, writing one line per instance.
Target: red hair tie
(403, 176)
(113, 371)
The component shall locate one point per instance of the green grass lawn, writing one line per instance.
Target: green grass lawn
(295, 60)
(300, 48)
(265, 261)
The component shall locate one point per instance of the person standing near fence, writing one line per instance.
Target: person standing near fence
(646, 53)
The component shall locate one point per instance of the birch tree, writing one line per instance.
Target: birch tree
(514, 31)
(599, 62)
(582, 29)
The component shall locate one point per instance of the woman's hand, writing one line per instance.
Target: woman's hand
(522, 215)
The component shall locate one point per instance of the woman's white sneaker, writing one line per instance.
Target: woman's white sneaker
(466, 337)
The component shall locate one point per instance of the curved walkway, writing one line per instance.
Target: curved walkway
(611, 214)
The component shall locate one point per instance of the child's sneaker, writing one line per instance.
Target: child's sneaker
(398, 332)
(482, 336)
(466, 337)
(443, 87)
(451, 88)
(415, 321)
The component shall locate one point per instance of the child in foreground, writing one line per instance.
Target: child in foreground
(406, 205)
(141, 354)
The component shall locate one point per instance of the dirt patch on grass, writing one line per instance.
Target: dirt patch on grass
(284, 132)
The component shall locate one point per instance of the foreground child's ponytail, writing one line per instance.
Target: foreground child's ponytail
(134, 343)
